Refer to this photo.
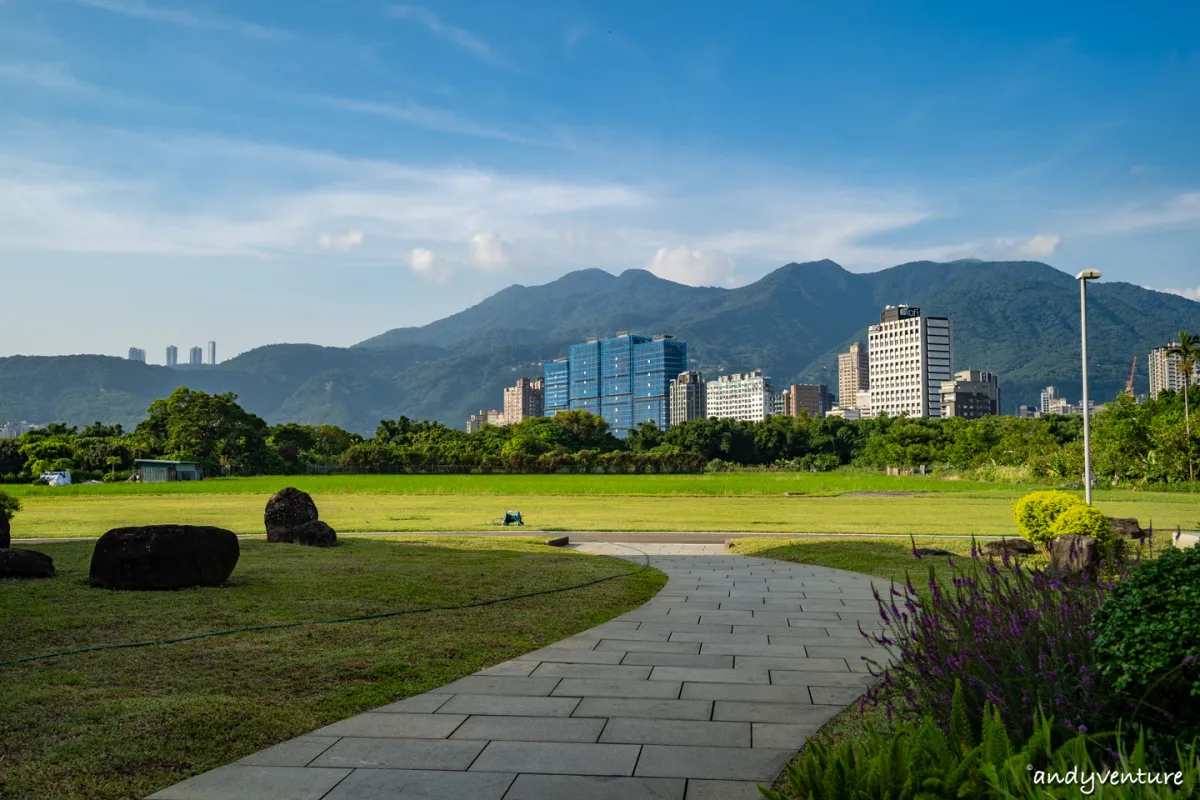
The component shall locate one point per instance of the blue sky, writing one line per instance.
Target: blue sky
(175, 171)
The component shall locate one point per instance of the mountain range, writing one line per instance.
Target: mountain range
(1017, 319)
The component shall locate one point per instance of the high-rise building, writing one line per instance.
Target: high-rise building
(556, 386)
(971, 395)
(172, 355)
(137, 354)
(743, 395)
(1028, 412)
(484, 417)
(814, 398)
(212, 353)
(1165, 372)
(624, 379)
(195, 356)
(854, 373)
(909, 357)
(687, 398)
(1049, 394)
(525, 399)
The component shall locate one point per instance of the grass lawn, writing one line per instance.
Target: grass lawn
(126, 723)
(49, 515)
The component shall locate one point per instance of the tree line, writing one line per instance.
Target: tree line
(1132, 443)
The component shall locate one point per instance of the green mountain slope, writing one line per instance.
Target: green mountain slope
(1018, 319)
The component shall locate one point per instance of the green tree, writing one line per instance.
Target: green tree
(1188, 349)
(211, 429)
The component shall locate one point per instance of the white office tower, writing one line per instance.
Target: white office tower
(743, 395)
(1049, 395)
(172, 355)
(212, 352)
(909, 356)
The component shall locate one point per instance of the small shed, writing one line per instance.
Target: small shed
(154, 471)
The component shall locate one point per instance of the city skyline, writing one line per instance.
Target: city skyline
(335, 160)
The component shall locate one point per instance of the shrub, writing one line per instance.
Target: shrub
(1085, 520)
(1147, 643)
(9, 505)
(921, 761)
(1036, 513)
(1016, 637)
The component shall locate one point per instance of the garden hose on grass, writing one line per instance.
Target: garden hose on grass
(276, 626)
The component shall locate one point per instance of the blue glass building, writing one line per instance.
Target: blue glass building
(625, 379)
(556, 386)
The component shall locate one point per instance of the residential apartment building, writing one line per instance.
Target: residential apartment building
(484, 417)
(909, 357)
(854, 371)
(137, 354)
(845, 413)
(687, 398)
(625, 379)
(212, 353)
(743, 395)
(14, 430)
(971, 394)
(172, 355)
(815, 398)
(1028, 412)
(195, 356)
(524, 400)
(1165, 373)
(1049, 394)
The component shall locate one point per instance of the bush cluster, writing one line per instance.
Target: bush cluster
(1036, 514)
(1147, 639)
(9, 505)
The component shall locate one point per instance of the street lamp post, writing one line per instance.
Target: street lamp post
(1083, 278)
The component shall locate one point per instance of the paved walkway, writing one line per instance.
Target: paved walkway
(708, 688)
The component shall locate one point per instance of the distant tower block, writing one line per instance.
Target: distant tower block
(212, 353)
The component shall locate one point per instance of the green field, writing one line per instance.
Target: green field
(126, 723)
(735, 502)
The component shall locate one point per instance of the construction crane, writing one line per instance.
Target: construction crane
(1129, 383)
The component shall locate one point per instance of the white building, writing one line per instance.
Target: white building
(845, 413)
(172, 355)
(195, 356)
(687, 398)
(212, 353)
(743, 395)
(1049, 395)
(137, 354)
(909, 357)
(1165, 373)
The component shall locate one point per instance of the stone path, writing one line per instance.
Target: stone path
(705, 690)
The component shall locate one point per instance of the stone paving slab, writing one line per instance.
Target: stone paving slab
(708, 689)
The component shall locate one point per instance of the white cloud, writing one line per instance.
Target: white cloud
(693, 267)
(1043, 245)
(426, 264)
(1180, 211)
(488, 251)
(140, 9)
(434, 119)
(458, 36)
(344, 241)
(1190, 294)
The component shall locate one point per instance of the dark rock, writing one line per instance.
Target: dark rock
(287, 510)
(932, 551)
(5, 531)
(559, 541)
(164, 557)
(1071, 554)
(18, 563)
(314, 534)
(1127, 527)
(998, 547)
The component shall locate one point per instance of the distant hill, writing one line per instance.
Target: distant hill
(1018, 319)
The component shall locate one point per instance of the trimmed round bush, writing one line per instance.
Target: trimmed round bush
(1085, 520)
(1147, 633)
(1036, 513)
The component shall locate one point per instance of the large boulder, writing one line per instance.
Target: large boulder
(315, 534)
(287, 510)
(1127, 527)
(1019, 547)
(5, 531)
(1073, 554)
(18, 563)
(164, 557)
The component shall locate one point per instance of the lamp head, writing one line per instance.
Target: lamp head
(1088, 275)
